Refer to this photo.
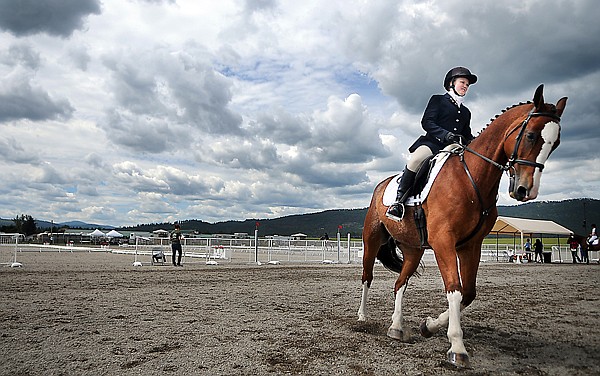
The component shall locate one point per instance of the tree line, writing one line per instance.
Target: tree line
(24, 224)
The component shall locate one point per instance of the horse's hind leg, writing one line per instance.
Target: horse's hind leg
(410, 265)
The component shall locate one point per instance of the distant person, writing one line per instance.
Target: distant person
(573, 245)
(325, 239)
(158, 256)
(538, 248)
(176, 245)
(593, 239)
(528, 248)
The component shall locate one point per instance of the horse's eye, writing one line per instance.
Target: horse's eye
(531, 136)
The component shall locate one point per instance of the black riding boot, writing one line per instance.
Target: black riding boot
(396, 210)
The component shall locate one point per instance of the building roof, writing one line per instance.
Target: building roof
(511, 225)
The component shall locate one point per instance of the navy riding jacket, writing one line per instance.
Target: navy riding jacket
(442, 115)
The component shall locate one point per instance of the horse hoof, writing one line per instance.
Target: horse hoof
(459, 360)
(398, 334)
(424, 331)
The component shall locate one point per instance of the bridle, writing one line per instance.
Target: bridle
(513, 158)
(512, 161)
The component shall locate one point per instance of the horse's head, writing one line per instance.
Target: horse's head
(529, 144)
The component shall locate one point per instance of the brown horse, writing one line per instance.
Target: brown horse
(586, 248)
(460, 211)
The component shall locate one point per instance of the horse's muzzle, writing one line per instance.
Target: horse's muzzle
(522, 187)
(520, 194)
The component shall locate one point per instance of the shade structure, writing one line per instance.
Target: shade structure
(524, 226)
(96, 233)
(114, 234)
(511, 225)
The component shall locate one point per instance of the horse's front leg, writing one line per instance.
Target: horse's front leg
(449, 318)
(457, 354)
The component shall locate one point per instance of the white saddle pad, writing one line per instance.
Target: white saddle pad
(389, 195)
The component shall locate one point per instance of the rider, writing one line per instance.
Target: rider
(593, 235)
(445, 119)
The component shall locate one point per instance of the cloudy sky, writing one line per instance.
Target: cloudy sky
(123, 112)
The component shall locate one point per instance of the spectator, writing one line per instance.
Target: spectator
(538, 248)
(528, 249)
(573, 245)
(176, 245)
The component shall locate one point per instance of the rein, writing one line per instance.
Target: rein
(510, 164)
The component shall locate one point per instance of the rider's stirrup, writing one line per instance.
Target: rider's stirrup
(400, 208)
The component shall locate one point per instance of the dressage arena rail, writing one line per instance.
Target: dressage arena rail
(217, 250)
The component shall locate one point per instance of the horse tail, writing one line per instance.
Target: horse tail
(388, 256)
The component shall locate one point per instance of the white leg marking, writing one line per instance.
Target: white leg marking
(396, 330)
(549, 136)
(397, 315)
(434, 325)
(362, 310)
(455, 334)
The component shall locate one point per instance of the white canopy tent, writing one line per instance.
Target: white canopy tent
(96, 234)
(511, 225)
(114, 234)
(523, 226)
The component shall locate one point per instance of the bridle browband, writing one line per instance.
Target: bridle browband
(513, 160)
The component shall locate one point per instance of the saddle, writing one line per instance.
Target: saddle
(425, 176)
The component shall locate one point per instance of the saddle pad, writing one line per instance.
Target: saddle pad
(389, 195)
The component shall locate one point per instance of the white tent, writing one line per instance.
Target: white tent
(161, 233)
(96, 234)
(510, 225)
(114, 234)
(523, 226)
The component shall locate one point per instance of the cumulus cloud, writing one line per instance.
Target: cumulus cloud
(22, 54)
(12, 151)
(58, 18)
(261, 108)
(167, 101)
(20, 98)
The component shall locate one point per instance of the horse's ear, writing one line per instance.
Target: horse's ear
(560, 105)
(538, 97)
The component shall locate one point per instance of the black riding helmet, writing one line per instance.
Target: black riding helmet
(458, 72)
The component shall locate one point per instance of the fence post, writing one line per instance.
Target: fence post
(256, 245)
(349, 248)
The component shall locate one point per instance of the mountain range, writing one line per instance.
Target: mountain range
(568, 213)
(574, 214)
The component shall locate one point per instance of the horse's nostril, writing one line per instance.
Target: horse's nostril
(521, 193)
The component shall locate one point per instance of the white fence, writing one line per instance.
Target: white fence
(263, 250)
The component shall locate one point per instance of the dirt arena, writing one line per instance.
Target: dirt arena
(96, 314)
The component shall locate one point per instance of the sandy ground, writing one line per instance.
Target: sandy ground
(95, 314)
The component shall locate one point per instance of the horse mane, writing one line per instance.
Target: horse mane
(503, 111)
